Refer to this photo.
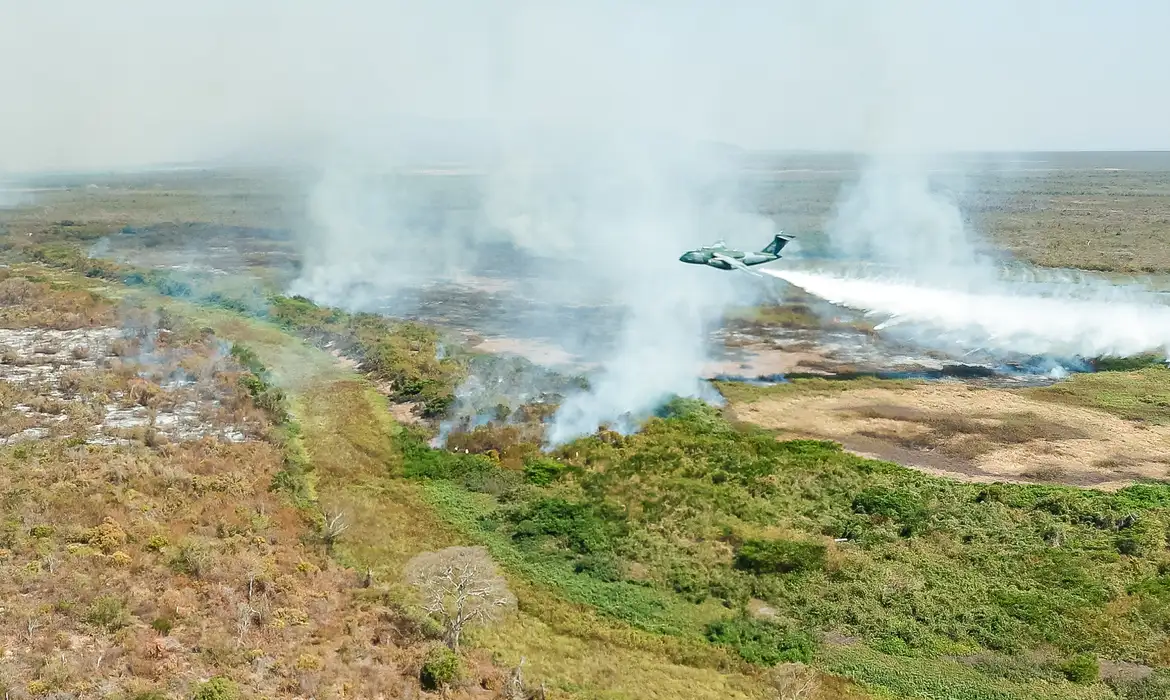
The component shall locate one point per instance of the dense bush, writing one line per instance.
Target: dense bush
(1082, 668)
(761, 642)
(218, 688)
(440, 668)
(582, 527)
(1155, 686)
(779, 556)
(903, 506)
(542, 471)
(694, 507)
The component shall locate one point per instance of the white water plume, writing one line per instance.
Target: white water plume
(916, 263)
(1034, 319)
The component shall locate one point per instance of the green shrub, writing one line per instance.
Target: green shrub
(779, 556)
(690, 582)
(41, 531)
(1155, 686)
(602, 566)
(1082, 669)
(109, 613)
(900, 505)
(471, 471)
(191, 558)
(584, 528)
(542, 471)
(162, 625)
(440, 668)
(1127, 364)
(218, 688)
(762, 643)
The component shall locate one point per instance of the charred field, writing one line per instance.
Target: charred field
(183, 436)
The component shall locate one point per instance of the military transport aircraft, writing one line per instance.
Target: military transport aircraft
(718, 255)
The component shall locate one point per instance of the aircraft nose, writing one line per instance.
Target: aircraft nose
(687, 257)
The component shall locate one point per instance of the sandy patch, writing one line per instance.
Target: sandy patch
(975, 434)
(405, 413)
(764, 361)
(540, 353)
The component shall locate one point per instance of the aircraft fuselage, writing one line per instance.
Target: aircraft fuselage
(707, 257)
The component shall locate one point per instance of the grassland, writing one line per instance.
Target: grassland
(1094, 211)
(700, 558)
(1104, 430)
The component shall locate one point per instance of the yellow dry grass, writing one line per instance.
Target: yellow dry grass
(974, 433)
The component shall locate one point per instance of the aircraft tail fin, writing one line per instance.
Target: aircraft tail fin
(777, 244)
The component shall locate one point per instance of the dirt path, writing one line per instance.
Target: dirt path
(974, 434)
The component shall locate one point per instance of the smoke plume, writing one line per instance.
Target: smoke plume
(915, 263)
(601, 226)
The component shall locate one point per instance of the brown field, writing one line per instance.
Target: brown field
(972, 434)
(142, 550)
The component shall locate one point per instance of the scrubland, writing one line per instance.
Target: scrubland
(212, 490)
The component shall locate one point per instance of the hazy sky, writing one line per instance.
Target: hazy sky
(105, 82)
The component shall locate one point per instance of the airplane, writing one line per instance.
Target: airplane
(719, 256)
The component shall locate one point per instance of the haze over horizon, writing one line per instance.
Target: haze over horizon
(105, 84)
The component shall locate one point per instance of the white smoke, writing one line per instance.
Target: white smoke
(1010, 317)
(916, 263)
(903, 213)
(596, 222)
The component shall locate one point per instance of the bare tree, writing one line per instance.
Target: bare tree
(459, 586)
(514, 690)
(795, 681)
(333, 527)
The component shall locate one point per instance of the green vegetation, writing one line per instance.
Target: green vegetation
(739, 392)
(675, 530)
(1128, 364)
(439, 668)
(1141, 395)
(684, 556)
(763, 643)
(1082, 669)
(404, 355)
(218, 688)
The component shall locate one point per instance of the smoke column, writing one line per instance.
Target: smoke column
(594, 220)
(916, 264)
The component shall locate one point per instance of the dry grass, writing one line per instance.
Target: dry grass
(24, 302)
(953, 430)
(137, 569)
(156, 563)
(965, 436)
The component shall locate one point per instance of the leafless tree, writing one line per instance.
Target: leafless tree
(31, 627)
(333, 527)
(795, 681)
(246, 617)
(459, 586)
(515, 688)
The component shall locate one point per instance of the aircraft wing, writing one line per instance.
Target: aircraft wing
(736, 264)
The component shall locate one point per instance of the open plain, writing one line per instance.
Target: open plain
(215, 490)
